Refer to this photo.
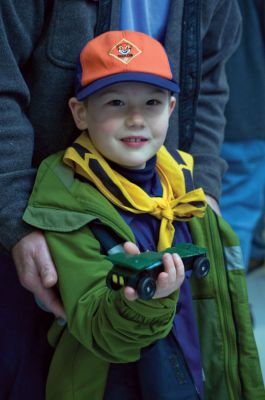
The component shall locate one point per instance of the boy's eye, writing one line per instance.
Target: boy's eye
(116, 103)
(153, 102)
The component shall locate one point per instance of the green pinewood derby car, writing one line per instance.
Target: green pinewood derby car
(141, 271)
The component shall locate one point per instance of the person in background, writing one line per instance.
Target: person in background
(39, 47)
(243, 195)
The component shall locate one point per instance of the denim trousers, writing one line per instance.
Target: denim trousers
(243, 193)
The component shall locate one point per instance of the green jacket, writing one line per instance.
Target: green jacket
(103, 327)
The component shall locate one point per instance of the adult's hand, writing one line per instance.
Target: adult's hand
(36, 271)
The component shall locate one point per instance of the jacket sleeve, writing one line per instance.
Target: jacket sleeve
(102, 320)
(221, 28)
(20, 28)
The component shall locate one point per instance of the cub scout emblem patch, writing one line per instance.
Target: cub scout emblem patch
(125, 51)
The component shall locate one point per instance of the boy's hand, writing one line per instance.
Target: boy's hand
(171, 278)
(36, 270)
(167, 281)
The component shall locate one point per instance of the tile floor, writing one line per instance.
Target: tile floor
(256, 292)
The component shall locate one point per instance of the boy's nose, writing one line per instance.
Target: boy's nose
(135, 119)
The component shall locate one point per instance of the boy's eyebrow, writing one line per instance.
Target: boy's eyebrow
(159, 90)
(105, 92)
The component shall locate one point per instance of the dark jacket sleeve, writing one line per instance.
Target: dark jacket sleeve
(220, 30)
(20, 29)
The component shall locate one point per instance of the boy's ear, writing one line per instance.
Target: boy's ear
(79, 113)
(172, 104)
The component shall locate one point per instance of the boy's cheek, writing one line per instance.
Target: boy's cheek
(110, 126)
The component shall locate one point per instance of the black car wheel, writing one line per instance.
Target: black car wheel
(146, 288)
(201, 267)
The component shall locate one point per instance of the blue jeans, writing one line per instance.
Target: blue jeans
(160, 374)
(24, 350)
(242, 200)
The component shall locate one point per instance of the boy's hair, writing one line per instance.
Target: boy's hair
(122, 56)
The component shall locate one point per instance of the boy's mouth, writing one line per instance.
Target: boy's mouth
(134, 141)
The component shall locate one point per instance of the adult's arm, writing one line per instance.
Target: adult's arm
(220, 31)
(20, 30)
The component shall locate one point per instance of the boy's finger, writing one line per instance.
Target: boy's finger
(169, 267)
(162, 280)
(179, 268)
(130, 293)
(131, 248)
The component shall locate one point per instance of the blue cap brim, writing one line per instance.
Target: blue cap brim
(102, 83)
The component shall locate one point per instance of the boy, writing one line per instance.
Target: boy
(116, 346)
(123, 103)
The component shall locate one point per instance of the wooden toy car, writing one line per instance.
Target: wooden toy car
(141, 271)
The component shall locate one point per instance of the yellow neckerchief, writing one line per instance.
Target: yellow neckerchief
(175, 203)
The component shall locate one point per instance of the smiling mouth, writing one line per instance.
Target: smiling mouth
(134, 139)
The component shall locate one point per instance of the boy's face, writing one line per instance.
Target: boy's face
(126, 122)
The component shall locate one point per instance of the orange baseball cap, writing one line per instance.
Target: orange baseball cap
(122, 56)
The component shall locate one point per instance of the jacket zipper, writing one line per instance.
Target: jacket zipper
(224, 304)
